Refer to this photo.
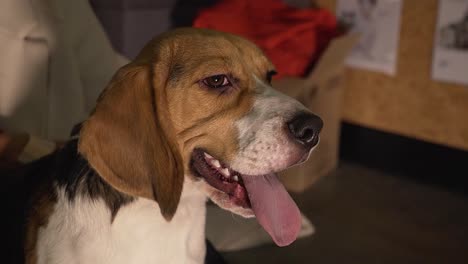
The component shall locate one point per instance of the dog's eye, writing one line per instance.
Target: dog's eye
(269, 75)
(217, 81)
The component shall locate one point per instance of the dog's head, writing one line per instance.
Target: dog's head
(198, 104)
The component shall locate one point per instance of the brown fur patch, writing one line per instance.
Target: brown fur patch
(202, 117)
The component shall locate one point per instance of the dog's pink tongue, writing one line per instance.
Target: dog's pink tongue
(274, 208)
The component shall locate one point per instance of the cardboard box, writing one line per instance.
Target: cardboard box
(321, 92)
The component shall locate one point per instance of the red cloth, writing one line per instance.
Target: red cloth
(292, 38)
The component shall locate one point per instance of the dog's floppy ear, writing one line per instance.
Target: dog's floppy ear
(129, 142)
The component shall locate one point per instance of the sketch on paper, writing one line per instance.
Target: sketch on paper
(378, 23)
(450, 61)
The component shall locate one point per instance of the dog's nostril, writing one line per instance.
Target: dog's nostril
(308, 134)
(305, 128)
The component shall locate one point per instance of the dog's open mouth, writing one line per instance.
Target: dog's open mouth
(221, 177)
(264, 194)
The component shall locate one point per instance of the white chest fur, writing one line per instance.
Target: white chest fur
(81, 232)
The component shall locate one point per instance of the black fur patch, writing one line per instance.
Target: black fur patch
(74, 174)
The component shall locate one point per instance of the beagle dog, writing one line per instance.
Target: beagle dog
(193, 117)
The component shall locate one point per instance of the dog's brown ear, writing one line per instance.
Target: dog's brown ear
(129, 142)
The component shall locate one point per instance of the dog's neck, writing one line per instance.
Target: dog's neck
(77, 178)
(99, 221)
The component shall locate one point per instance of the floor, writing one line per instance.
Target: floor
(366, 216)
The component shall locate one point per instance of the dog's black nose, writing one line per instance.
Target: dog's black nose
(305, 128)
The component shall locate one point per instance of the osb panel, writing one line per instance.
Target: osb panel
(410, 104)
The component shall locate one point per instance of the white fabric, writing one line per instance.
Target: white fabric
(55, 60)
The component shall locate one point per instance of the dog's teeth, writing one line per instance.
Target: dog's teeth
(208, 156)
(225, 172)
(215, 163)
(235, 178)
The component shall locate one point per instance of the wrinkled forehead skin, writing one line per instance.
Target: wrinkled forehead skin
(202, 117)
